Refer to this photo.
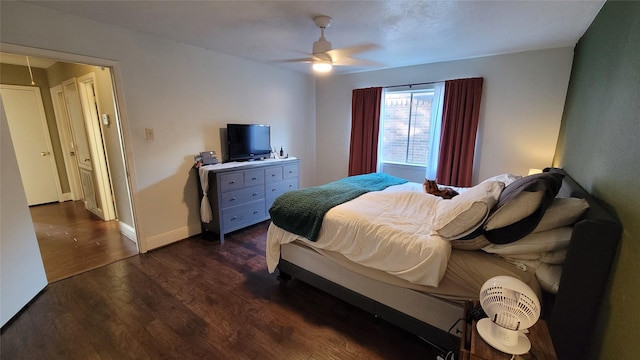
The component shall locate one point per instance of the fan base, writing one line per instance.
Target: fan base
(488, 331)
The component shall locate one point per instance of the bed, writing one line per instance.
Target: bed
(448, 248)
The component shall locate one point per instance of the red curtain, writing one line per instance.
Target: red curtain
(365, 125)
(460, 115)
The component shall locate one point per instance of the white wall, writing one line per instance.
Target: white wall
(21, 270)
(522, 103)
(186, 94)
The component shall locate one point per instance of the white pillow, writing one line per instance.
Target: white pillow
(549, 277)
(523, 205)
(505, 178)
(562, 212)
(535, 243)
(466, 212)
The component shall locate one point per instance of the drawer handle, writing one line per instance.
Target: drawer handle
(272, 190)
(290, 172)
(255, 194)
(234, 218)
(232, 199)
(273, 175)
(232, 182)
(255, 212)
(254, 178)
(290, 185)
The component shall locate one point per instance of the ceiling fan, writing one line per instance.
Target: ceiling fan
(323, 57)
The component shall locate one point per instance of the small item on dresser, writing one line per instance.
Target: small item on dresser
(281, 152)
(208, 158)
(197, 161)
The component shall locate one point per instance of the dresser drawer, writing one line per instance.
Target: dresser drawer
(239, 216)
(239, 197)
(231, 181)
(253, 177)
(290, 171)
(279, 188)
(273, 174)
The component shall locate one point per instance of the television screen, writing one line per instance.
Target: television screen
(248, 141)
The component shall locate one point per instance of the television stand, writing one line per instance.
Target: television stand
(240, 194)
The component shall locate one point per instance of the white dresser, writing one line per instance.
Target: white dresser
(240, 194)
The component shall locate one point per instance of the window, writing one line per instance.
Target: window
(410, 128)
(406, 120)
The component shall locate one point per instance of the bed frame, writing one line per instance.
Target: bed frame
(573, 315)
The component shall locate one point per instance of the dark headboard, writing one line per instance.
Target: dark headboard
(585, 280)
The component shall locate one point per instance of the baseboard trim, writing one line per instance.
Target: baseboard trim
(167, 238)
(128, 231)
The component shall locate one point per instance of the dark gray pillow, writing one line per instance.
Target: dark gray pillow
(545, 184)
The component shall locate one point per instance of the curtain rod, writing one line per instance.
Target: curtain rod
(427, 83)
(410, 85)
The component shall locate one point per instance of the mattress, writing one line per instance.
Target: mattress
(387, 235)
(466, 272)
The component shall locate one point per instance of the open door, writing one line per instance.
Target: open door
(67, 143)
(93, 125)
(22, 274)
(89, 149)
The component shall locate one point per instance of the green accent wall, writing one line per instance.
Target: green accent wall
(599, 146)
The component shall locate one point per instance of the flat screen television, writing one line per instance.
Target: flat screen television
(248, 142)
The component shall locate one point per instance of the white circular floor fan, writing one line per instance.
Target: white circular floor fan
(511, 306)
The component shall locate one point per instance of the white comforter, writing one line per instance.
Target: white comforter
(388, 230)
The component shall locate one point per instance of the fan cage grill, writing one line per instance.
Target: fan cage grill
(510, 309)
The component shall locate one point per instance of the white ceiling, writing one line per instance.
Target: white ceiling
(407, 32)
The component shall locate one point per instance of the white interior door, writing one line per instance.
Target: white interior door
(93, 124)
(22, 274)
(32, 143)
(83, 152)
(67, 142)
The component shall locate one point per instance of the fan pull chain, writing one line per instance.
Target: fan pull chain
(30, 73)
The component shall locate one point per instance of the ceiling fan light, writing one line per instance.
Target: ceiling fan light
(322, 66)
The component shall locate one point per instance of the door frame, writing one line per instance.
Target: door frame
(122, 118)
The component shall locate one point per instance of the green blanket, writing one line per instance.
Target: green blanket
(301, 211)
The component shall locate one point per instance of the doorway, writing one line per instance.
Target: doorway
(68, 220)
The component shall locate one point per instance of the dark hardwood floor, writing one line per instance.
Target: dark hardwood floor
(198, 299)
(72, 240)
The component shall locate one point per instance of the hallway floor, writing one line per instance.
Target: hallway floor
(72, 240)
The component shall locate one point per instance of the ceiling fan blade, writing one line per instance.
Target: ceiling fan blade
(302, 60)
(336, 54)
(347, 61)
